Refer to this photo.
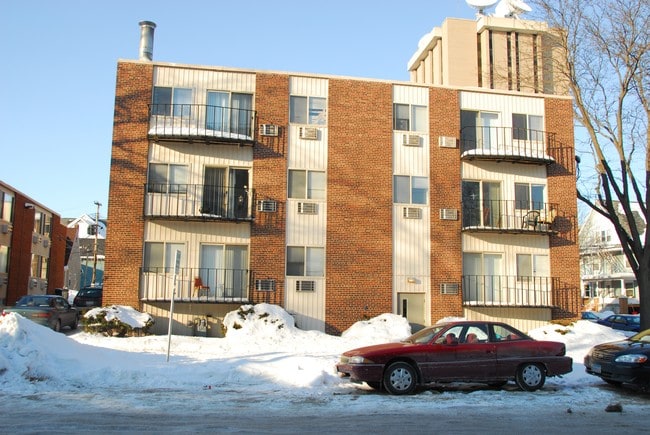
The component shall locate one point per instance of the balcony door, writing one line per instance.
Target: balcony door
(213, 202)
(225, 270)
(229, 112)
(483, 275)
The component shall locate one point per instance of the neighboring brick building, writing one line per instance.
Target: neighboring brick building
(341, 198)
(32, 247)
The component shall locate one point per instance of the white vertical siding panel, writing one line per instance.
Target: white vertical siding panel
(308, 308)
(509, 245)
(305, 229)
(506, 105)
(307, 154)
(308, 86)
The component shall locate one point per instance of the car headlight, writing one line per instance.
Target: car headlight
(631, 358)
(359, 360)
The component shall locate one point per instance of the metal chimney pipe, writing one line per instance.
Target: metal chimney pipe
(146, 39)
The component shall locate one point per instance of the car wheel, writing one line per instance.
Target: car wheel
(530, 377)
(57, 326)
(400, 378)
(75, 324)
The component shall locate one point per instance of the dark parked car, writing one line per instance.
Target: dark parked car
(623, 322)
(489, 352)
(48, 310)
(591, 316)
(625, 361)
(88, 297)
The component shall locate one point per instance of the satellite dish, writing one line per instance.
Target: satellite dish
(481, 5)
(511, 8)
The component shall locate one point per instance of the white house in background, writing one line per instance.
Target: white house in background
(605, 272)
(81, 263)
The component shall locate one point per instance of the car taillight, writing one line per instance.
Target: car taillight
(42, 315)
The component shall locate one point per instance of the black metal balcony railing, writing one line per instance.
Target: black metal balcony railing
(195, 285)
(506, 143)
(200, 121)
(502, 290)
(509, 216)
(197, 201)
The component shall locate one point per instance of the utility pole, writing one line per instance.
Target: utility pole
(92, 281)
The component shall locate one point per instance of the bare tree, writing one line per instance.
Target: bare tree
(605, 60)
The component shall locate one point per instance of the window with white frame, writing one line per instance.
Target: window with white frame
(6, 206)
(308, 110)
(605, 236)
(229, 111)
(527, 127)
(409, 117)
(304, 184)
(481, 203)
(4, 259)
(167, 178)
(39, 266)
(169, 101)
(305, 261)
(529, 196)
(410, 189)
(160, 257)
(532, 265)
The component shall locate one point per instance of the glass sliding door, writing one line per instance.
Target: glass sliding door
(217, 113)
(213, 201)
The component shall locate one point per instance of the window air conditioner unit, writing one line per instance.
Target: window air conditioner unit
(411, 140)
(448, 288)
(447, 142)
(269, 130)
(307, 208)
(412, 213)
(265, 285)
(305, 286)
(310, 133)
(46, 243)
(448, 214)
(35, 238)
(4, 228)
(267, 206)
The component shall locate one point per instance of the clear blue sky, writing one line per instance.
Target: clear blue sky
(59, 61)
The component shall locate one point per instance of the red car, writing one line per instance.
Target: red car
(467, 351)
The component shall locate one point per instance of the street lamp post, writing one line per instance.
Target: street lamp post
(98, 204)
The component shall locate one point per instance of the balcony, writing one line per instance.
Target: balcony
(506, 291)
(202, 123)
(192, 202)
(200, 285)
(514, 217)
(506, 144)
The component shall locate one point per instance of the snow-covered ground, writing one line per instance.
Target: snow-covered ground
(262, 352)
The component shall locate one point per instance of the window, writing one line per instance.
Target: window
(305, 261)
(410, 190)
(481, 203)
(39, 266)
(306, 184)
(529, 196)
(4, 259)
(479, 130)
(527, 127)
(6, 206)
(308, 110)
(168, 101)
(230, 112)
(605, 236)
(408, 117)
(530, 265)
(160, 257)
(167, 178)
(42, 223)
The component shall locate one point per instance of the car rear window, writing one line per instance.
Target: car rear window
(90, 292)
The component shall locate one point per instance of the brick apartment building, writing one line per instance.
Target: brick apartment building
(338, 198)
(32, 247)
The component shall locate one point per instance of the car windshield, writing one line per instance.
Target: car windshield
(33, 301)
(424, 335)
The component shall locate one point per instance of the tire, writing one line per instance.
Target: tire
(530, 377)
(57, 326)
(75, 324)
(400, 378)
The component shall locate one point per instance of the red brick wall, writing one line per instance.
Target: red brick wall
(56, 266)
(565, 255)
(446, 248)
(21, 250)
(125, 233)
(267, 243)
(359, 203)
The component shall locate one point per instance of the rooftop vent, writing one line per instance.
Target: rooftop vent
(146, 39)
